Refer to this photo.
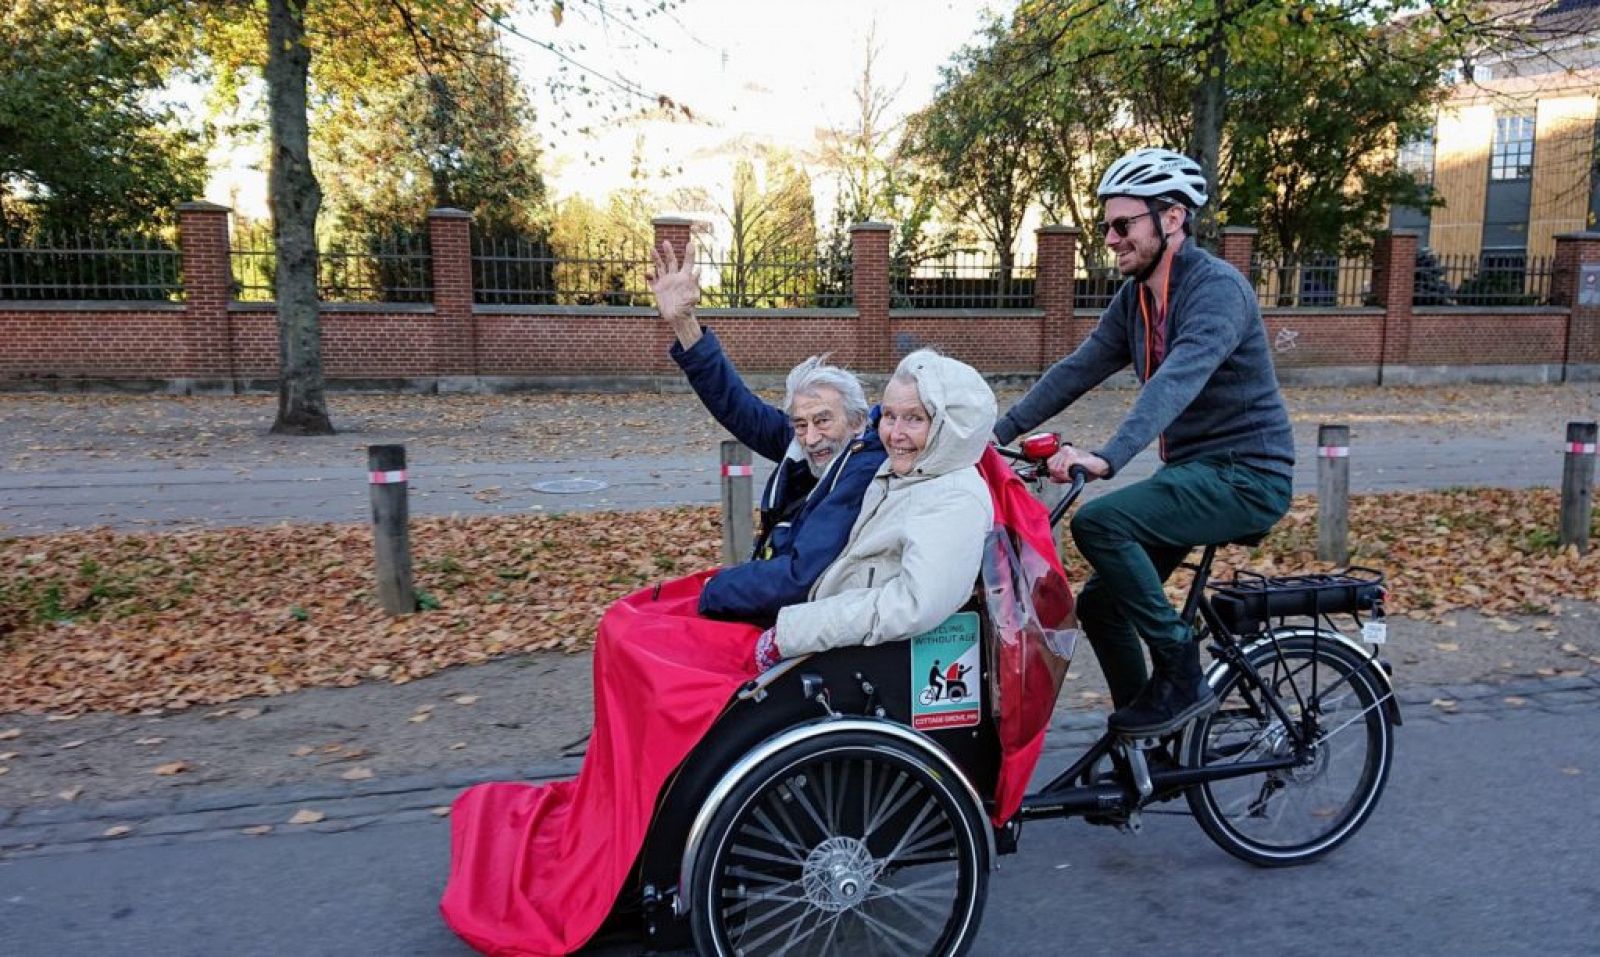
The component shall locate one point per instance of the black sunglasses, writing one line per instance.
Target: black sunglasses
(1119, 225)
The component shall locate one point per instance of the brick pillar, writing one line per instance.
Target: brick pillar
(1569, 288)
(455, 333)
(673, 231)
(1239, 247)
(1394, 271)
(1053, 290)
(677, 233)
(869, 266)
(207, 348)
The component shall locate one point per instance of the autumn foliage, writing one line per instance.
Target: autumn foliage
(104, 620)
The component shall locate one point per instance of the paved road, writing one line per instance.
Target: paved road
(40, 502)
(1484, 844)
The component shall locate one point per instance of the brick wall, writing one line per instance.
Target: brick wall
(208, 339)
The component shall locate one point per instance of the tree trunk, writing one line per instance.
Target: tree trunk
(1210, 109)
(295, 198)
(444, 139)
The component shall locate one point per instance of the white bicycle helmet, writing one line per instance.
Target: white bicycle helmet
(1155, 173)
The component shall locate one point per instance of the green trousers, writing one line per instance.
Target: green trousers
(1135, 538)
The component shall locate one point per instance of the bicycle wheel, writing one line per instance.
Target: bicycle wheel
(849, 843)
(1296, 815)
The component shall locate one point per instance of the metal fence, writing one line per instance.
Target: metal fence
(963, 279)
(521, 270)
(103, 266)
(1096, 286)
(1317, 281)
(395, 267)
(1491, 279)
(775, 279)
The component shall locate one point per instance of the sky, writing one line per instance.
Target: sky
(770, 71)
(773, 72)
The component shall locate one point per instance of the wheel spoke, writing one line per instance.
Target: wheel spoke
(899, 795)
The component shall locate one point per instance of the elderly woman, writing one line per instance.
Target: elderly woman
(914, 551)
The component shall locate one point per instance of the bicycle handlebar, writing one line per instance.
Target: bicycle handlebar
(1077, 475)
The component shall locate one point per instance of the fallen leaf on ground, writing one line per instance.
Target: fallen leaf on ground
(466, 699)
(1447, 646)
(1443, 704)
(539, 582)
(116, 831)
(5, 770)
(357, 774)
(1571, 772)
(71, 745)
(245, 714)
(441, 812)
(1571, 648)
(70, 794)
(7, 756)
(256, 831)
(458, 745)
(149, 741)
(307, 817)
(303, 750)
(10, 733)
(1515, 701)
(419, 718)
(175, 767)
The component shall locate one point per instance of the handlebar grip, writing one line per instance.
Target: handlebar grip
(1078, 474)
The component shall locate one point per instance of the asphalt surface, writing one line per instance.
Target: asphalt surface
(40, 502)
(153, 462)
(1482, 844)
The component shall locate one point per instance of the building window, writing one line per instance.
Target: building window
(1512, 156)
(1416, 158)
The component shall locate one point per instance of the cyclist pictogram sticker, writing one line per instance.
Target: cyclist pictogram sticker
(946, 685)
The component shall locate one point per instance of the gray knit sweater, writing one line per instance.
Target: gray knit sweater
(1214, 392)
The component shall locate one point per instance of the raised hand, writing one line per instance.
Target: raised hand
(677, 290)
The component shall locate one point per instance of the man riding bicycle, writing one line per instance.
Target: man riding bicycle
(1190, 325)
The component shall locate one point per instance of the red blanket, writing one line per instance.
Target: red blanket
(534, 869)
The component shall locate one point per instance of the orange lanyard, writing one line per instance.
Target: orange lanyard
(1166, 289)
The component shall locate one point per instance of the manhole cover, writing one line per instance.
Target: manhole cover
(568, 486)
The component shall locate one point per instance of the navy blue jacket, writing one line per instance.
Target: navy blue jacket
(805, 521)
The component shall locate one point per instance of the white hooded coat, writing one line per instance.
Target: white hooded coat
(914, 551)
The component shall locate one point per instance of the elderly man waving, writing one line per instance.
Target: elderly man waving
(825, 451)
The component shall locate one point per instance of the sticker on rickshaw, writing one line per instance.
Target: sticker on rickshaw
(946, 690)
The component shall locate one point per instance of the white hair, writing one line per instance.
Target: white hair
(815, 373)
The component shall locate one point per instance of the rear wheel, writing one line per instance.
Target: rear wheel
(847, 843)
(1295, 815)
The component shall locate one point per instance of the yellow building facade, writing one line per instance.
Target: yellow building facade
(1513, 162)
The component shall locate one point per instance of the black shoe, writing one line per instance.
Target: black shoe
(1177, 694)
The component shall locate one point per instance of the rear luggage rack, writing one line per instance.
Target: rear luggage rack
(1250, 600)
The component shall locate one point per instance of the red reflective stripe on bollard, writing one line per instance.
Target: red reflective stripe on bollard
(1333, 451)
(1580, 448)
(386, 478)
(735, 471)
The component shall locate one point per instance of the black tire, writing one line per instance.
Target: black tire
(847, 843)
(1280, 818)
